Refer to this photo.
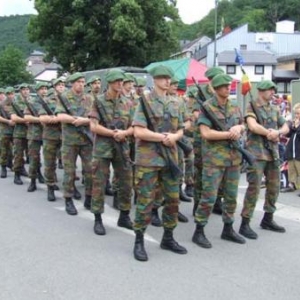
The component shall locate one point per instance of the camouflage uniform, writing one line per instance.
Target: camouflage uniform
(104, 153)
(151, 169)
(75, 143)
(219, 161)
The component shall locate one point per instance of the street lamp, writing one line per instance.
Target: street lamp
(216, 23)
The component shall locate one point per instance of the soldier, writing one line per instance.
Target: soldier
(220, 161)
(17, 108)
(7, 128)
(139, 87)
(153, 169)
(51, 136)
(110, 109)
(265, 125)
(34, 135)
(72, 111)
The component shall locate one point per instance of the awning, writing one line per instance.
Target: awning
(285, 74)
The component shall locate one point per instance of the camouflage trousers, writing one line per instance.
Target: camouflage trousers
(186, 164)
(100, 171)
(212, 178)
(51, 148)
(6, 149)
(146, 182)
(69, 157)
(19, 147)
(34, 152)
(254, 175)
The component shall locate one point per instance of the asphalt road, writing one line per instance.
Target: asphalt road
(47, 254)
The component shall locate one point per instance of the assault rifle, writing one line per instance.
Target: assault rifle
(267, 144)
(163, 150)
(45, 106)
(217, 125)
(17, 110)
(121, 147)
(31, 108)
(3, 113)
(81, 129)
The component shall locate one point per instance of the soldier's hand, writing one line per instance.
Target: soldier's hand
(273, 135)
(52, 120)
(235, 133)
(119, 135)
(79, 121)
(169, 139)
(11, 123)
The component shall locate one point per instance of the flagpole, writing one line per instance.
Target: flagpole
(216, 24)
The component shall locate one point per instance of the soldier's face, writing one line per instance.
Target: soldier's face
(25, 92)
(78, 86)
(223, 91)
(128, 86)
(96, 86)
(173, 89)
(116, 86)
(43, 91)
(10, 96)
(163, 83)
(2, 96)
(268, 94)
(139, 90)
(60, 87)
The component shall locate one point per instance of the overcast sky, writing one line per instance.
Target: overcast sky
(189, 10)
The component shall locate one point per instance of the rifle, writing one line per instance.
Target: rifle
(163, 150)
(17, 110)
(121, 147)
(45, 106)
(217, 125)
(267, 144)
(31, 108)
(80, 129)
(3, 113)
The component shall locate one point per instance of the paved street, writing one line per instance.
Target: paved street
(47, 254)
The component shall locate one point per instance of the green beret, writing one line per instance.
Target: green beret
(92, 79)
(266, 85)
(161, 71)
(212, 72)
(192, 92)
(24, 86)
(174, 80)
(129, 77)
(58, 80)
(114, 75)
(2, 91)
(221, 79)
(9, 90)
(140, 81)
(74, 77)
(40, 85)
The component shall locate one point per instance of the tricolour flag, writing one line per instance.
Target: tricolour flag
(246, 84)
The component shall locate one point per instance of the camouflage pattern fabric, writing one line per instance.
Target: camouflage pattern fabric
(5, 128)
(20, 130)
(19, 147)
(34, 148)
(6, 149)
(254, 175)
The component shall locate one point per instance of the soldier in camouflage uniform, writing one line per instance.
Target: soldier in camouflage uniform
(151, 168)
(7, 132)
(108, 110)
(51, 137)
(34, 135)
(75, 141)
(267, 160)
(220, 161)
(20, 131)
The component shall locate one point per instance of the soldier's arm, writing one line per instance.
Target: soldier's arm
(145, 134)
(256, 128)
(213, 135)
(48, 119)
(65, 118)
(3, 120)
(17, 119)
(31, 119)
(96, 128)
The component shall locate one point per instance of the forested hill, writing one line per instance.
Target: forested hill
(13, 31)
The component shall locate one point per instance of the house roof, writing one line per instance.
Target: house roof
(285, 74)
(288, 57)
(250, 58)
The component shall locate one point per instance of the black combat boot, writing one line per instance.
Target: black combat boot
(76, 193)
(229, 234)
(155, 219)
(60, 164)
(199, 237)
(217, 209)
(55, 187)
(124, 220)
(18, 179)
(70, 207)
(108, 189)
(51, 195)
(246, 230)
(116, 201)
(32, 186)
(269, 224)
(168, 243)
(189, 190)
(182, 196)
(3, 172)
(139, 251)
(40, 176)
(99, 229)
(87, 202)
(182, 218)
(23, 172)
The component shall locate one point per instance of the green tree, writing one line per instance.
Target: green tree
(89, 34)
(13, 67)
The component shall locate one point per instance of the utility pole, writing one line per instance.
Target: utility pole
(216, 23)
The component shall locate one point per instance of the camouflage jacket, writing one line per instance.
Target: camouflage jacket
(272, 119)
(115, 111)
(146, 152)
(220, 153)
(5, 128)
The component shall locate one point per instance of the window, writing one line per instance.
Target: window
(231, 69)
(259, 70)
(243, 47)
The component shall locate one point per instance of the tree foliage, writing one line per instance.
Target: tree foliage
(13, 67)
(90, 34)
